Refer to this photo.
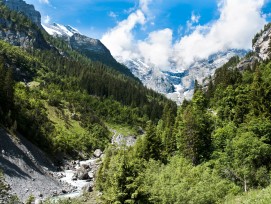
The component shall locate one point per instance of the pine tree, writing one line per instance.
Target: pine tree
(8, 90)
(152, 143)
(193, 130)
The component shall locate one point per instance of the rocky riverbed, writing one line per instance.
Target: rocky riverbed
(28, 171)
(80, 175)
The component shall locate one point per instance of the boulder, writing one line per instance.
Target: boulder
(74, 177)
(88, 187)
(90, 174)
(97, 153)
(82, 174)
(38, 201)
(85, 166)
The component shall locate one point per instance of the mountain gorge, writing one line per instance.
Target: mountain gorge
(64, 98)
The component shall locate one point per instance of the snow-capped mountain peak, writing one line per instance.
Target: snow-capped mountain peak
(178, 84)
(56, 29)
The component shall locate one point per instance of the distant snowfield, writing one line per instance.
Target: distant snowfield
(176, 82)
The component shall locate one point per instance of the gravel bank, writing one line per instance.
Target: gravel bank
(27, 170)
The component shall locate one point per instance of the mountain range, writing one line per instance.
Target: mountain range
(175, 84)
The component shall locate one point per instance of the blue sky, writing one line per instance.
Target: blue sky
(162, 31)
(95, 17)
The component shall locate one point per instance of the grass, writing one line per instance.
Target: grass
(124, 130)
(62, 120)
(86, 198)
(262, 196)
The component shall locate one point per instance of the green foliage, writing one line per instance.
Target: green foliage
(259, 196)
(126, 179)
(30, 199)
(73, 86)
(6, 95)
(216, 146)
(180, 182)
(119, 179)
(192, 130)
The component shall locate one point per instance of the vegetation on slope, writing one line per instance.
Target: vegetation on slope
(215, 147)
(61, 101)
(218, 146)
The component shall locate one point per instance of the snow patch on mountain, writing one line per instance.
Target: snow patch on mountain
(174, 81)
(177, 83)
(56, 29)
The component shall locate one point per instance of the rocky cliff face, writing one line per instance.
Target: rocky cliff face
(27, 9)
(23, 38)
(81, 42)
(17, 31)
(261, 44)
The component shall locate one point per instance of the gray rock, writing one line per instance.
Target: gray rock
(82, 174)
(27, 9)
(85, 166)
(88, 187)
(38, 201)
(91, 175)
(261, 46)
(74, 177)
(97, 153)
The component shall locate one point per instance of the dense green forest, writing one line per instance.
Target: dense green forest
(218, 146)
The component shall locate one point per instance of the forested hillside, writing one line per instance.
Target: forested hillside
(61, 100)
(218, 146)
(215, 148)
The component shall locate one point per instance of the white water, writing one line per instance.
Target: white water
(78, 184)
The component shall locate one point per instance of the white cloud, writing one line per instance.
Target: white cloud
(112, 15)
(144, 5)
(238, 22)
(44, 1)
(156, 49)
(190, 25)
(195, 18)
(120, 39)
(47, 19)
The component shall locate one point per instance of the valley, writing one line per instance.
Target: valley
(80, 124)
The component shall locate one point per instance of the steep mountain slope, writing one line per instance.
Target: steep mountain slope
(58, 30)
(89, 47)
(27, 169)
(25, 33)
(22, 7)
(64, 96)
(261, 43)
